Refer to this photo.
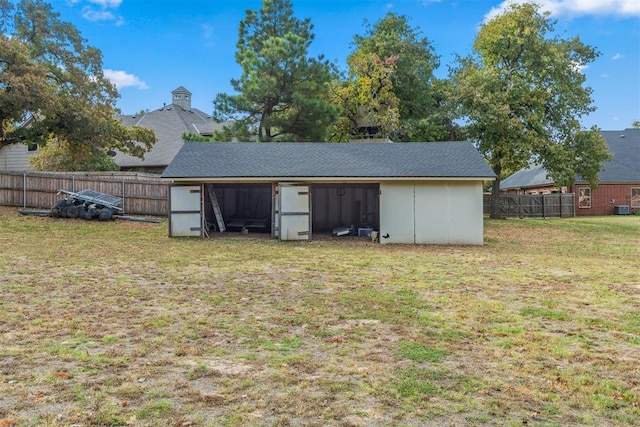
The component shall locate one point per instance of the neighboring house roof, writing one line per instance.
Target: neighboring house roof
(533, 176)
(168, 123)
(328, 160)
(624, 167)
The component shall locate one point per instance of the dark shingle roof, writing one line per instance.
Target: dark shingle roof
(169, 123)
(331, 160)
(624, 167)
(534, 176)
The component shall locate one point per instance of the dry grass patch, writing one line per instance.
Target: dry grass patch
(116, 324)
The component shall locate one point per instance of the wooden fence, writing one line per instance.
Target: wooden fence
(142, 194)
(533, 205)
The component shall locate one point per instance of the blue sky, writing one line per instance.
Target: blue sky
(151, 47)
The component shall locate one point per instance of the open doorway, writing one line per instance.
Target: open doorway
(243, 207)
(249, 207)
(352, 206)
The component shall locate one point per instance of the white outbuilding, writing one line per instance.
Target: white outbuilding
(420, 192)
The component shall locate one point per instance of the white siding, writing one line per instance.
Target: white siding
(449, 212)
(397, 217)
(436, 212)
(15, 157)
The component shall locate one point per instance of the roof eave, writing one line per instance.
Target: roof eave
(338, 179)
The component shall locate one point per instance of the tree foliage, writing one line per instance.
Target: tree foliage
(52, 87)
(423, 100)
(523, 96)
(369, 106)
(282, 93)
(55, 157)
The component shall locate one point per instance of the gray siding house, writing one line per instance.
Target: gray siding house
(169, 123)
(408, 192)
(15, 157)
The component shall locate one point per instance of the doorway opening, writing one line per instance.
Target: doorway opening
(243, 207)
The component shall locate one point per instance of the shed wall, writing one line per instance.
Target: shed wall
(443, 212)
(397, 212)
(449, 213)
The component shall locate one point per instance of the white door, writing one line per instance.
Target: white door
(397, 214)
(185, 219)
(293, 211)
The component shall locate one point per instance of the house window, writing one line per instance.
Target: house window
(635, 197)
(584, 198)
(186, 97)
(177, 96)
(32, 147)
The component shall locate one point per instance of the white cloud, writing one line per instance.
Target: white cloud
(104, 10)
(580, 67)
(624, 8)
(617, 56)
(114, 4)
(207, 30)
(604, 75)
(97, 15)
(122, 79)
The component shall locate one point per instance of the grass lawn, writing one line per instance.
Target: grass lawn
(115, 324)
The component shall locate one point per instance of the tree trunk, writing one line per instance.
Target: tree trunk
(495, 199)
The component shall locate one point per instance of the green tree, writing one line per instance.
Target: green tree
(52, 88)
(423, 101)
(636, 124)
(522, 94)
(282, 94)
(366, 99)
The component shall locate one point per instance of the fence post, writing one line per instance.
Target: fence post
(561, 211)
(123, 202)
(544, 211)
(73, 183)
(24, 190)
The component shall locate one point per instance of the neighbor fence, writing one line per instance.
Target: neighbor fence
(142, 194)
(533, 205)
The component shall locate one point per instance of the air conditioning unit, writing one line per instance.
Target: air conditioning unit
(621, 210)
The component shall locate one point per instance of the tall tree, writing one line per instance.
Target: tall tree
(282, 93)
(424, 113)
(52, 87)
(523, 96)
(369, 106)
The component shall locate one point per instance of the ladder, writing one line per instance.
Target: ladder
(216, 210)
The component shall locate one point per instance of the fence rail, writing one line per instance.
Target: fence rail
(533, 205)
(142, 194)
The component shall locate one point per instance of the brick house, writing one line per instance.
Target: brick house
(618, 190)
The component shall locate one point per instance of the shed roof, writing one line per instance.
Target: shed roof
(328, 160)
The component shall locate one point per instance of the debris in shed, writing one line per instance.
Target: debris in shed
(342, 231)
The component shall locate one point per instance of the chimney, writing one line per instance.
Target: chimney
(182, 98)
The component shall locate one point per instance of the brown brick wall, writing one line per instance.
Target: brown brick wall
(602, 197)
